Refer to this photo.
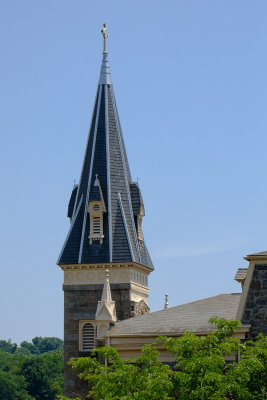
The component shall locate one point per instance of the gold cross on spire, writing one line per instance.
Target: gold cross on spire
(105, 36)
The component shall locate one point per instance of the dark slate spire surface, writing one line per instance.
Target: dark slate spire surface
(105, 158)
(96, 193)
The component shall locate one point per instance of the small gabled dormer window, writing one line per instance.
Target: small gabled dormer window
(96, 210)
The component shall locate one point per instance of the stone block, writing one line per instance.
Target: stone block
(255, 284)
(261, 301)
(255, 311)
(80, 303)
(260, 267)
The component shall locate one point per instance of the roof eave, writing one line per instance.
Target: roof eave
(241, 328)
(255, 257)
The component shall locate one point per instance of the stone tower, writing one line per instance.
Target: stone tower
(105, 210)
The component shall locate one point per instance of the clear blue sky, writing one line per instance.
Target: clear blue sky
(190, 83)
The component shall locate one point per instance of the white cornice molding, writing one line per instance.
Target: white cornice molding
(135, 266)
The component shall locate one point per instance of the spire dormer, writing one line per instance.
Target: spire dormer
(96, 210)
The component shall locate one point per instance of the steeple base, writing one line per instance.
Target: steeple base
(83, 287)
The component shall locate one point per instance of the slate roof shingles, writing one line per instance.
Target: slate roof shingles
(190, 317)
(118, 181)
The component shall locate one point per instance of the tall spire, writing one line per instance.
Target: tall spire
(120, 218)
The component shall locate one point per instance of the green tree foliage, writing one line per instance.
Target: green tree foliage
(13, 387)
(41, 345)
(44, 375)
(28, 348)
(33, 371)
(201, 372)
(8, 346)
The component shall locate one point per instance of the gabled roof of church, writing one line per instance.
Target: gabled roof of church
(72, 201)
(262, 253)
(105, 157)
(191, 317)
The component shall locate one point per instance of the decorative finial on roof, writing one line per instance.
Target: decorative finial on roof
(107, 275)
(106, 307)
(104, 78)
(105, 36)
(166, 305)
(96, 180)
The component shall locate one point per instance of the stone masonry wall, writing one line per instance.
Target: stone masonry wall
(80, 302)
(255, 312)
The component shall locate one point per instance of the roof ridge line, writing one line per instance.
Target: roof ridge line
(118, 130)
(87, 143)
(71, 227)
(108, 177)
(125, 226)
(90, 175)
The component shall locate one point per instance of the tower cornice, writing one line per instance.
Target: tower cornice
(104, 266)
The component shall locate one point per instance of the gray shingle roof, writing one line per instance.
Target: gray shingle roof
(95, 194)
(136, 197)
(191, 317)
(262, 253)
(72, 201)
(105, 156)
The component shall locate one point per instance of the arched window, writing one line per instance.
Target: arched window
(88, 337)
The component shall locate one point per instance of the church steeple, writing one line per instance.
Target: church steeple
(105, 156)
(105, 210)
